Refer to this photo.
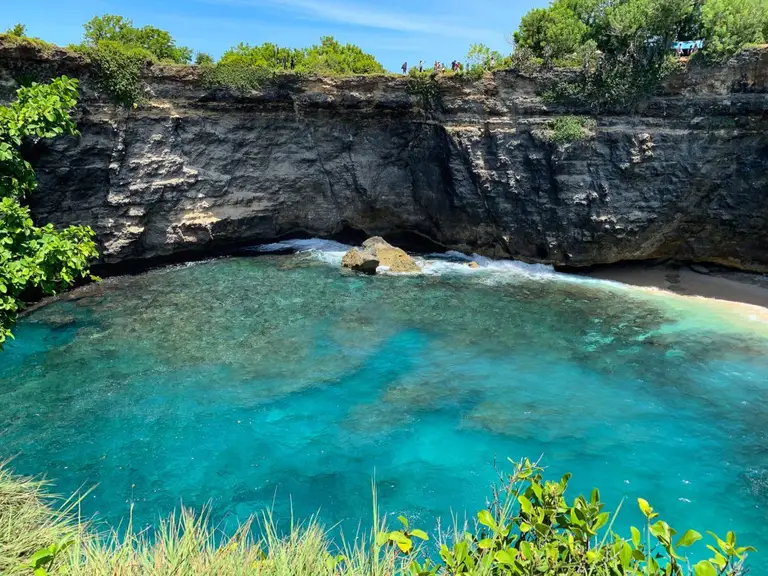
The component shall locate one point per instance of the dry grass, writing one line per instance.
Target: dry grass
(28, 519)
(184, 545)
(13, 40)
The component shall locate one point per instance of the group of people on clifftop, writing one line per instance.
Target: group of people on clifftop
(438, 67)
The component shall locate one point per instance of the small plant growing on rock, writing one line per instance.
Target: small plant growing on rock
(567, 129)
(425, 86)
(17, 30)
(119, 70)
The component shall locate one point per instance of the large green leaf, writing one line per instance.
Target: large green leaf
(704, 568)
(690, 537)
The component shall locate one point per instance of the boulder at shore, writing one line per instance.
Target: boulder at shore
(377, 252)
(360, 261)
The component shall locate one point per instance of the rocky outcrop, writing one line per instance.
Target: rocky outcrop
(378, 252)
(360, 261)
(684, 176)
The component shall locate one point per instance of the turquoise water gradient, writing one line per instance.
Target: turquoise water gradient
(278, 379)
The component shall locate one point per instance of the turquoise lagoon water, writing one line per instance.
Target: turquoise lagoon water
(280, 381)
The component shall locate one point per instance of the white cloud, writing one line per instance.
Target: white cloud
(371, 18)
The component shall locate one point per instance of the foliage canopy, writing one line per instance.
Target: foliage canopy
(727, 25)
(621, 26)
(246, 67)
(159, 43)
(328, 57)
(33, 257)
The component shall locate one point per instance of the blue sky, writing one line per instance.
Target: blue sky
(393, 30)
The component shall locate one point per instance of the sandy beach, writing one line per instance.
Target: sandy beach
(733, 286)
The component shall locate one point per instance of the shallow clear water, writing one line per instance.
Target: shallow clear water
(278, 379)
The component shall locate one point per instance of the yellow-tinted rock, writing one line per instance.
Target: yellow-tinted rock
(395, 259)
(374, 242)
(473, 265)
(378, 252)
(360, 261)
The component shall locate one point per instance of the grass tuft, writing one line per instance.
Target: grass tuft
(529, 528)
(29, 519)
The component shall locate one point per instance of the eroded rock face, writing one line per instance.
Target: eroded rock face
(683, 177)
(360, 261)
(382, 253)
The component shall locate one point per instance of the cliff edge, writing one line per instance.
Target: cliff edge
(683, 176)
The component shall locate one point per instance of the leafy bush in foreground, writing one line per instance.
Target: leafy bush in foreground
(33, 257)
(529, 528)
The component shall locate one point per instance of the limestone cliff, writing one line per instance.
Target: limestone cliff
(685, 176)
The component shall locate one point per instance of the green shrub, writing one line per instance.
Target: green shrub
(9, 38)
(203, 59)
(425, 86)
(566, 129)
(473, 73)
(557, 28)
(236, 76)
(17, 30)
(34, 257)
(159, 43)
(729, 25)
(620, 80)
(623, 47)
(530, 528)
(330, 57)
(524, 60)
(482, 56)
(119, 69)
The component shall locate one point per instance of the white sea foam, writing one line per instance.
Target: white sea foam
(495, 272)
(489, 270)
(306, 245)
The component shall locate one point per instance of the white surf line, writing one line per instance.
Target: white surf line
(493, 271)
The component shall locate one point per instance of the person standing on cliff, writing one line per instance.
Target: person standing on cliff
(421, 65)
(293, 62)
(404, 67)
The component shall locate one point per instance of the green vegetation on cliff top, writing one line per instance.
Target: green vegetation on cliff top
(620, 48)
(529, 528)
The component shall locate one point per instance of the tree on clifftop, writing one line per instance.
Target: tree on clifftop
(112, 28)
(33, 257)
(328, 57)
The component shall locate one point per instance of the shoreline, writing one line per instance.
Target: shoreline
(688, 280)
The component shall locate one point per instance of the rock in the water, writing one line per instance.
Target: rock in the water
(396, 259)
(374, 242)
(361, 261)
(473, 264)
(381, 252)
(699, 269)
